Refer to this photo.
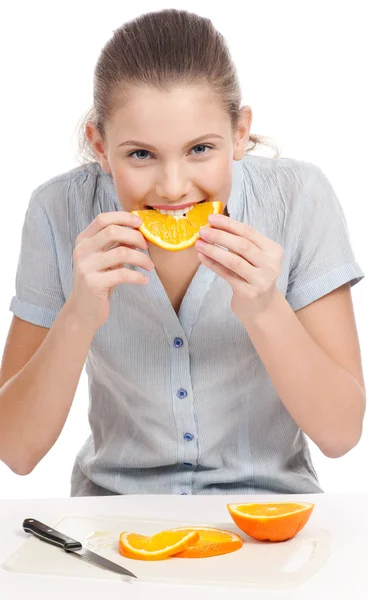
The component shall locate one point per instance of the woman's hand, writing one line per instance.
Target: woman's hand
(100, 253)
(251, 265)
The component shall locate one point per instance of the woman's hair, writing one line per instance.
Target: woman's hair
(162, 49)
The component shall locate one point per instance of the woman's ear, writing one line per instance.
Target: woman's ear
(98, 145)
(242, 133)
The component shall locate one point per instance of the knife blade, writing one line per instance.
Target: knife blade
(50, 535)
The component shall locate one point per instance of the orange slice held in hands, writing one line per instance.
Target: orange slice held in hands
(212, 542)
(274, 522)
(158, 547)
(176, 232)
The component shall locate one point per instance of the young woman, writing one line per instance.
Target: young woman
(207, 367)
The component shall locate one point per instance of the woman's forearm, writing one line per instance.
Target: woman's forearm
(35, 403)
(323, 398)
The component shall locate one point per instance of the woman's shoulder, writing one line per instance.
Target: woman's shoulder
(291, 169)
(282, 184)
(78, 183)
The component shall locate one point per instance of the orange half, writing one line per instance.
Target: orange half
(212, 542)
(158, 547)
(176, 233)
(274, 522)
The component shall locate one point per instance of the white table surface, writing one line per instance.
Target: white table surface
(344, 576)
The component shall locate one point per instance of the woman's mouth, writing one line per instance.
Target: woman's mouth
(179, 211)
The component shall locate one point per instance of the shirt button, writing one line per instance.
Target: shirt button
(182, 393)
(188, 437)
(178, 342)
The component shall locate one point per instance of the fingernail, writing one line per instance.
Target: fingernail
(204, 232)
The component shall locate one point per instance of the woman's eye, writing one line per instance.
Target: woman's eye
(139, 152)
(203, 146)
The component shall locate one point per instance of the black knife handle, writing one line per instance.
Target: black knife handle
(47, 534)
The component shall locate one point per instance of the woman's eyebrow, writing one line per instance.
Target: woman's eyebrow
(154, 149)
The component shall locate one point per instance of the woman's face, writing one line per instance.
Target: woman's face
(168, 149)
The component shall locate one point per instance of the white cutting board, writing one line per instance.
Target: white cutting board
(264, 565)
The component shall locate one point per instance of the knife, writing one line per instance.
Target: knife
(50, 535)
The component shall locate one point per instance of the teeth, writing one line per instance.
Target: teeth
(174, 213)
(177, 213)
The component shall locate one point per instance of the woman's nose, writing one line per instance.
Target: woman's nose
(173, 185)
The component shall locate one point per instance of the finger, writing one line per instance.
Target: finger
(112, 235)
(122, 256)
(119, 217)
(117, 245)
(231, 261)
(235, 243)
(242, 229)
(110, 279)
(225, 273)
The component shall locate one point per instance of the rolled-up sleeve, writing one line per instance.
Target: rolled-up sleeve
(323, 257)
(39, 295)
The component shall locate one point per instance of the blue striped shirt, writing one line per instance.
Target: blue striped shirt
(181, 403)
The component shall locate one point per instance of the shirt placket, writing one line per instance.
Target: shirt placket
(178, 329)
(184, 412)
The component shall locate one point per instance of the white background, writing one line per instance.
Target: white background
(303, 73)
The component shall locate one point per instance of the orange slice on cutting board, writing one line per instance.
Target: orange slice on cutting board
(157, 547)
(274, 522)
(174, 232)
(212, 542)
